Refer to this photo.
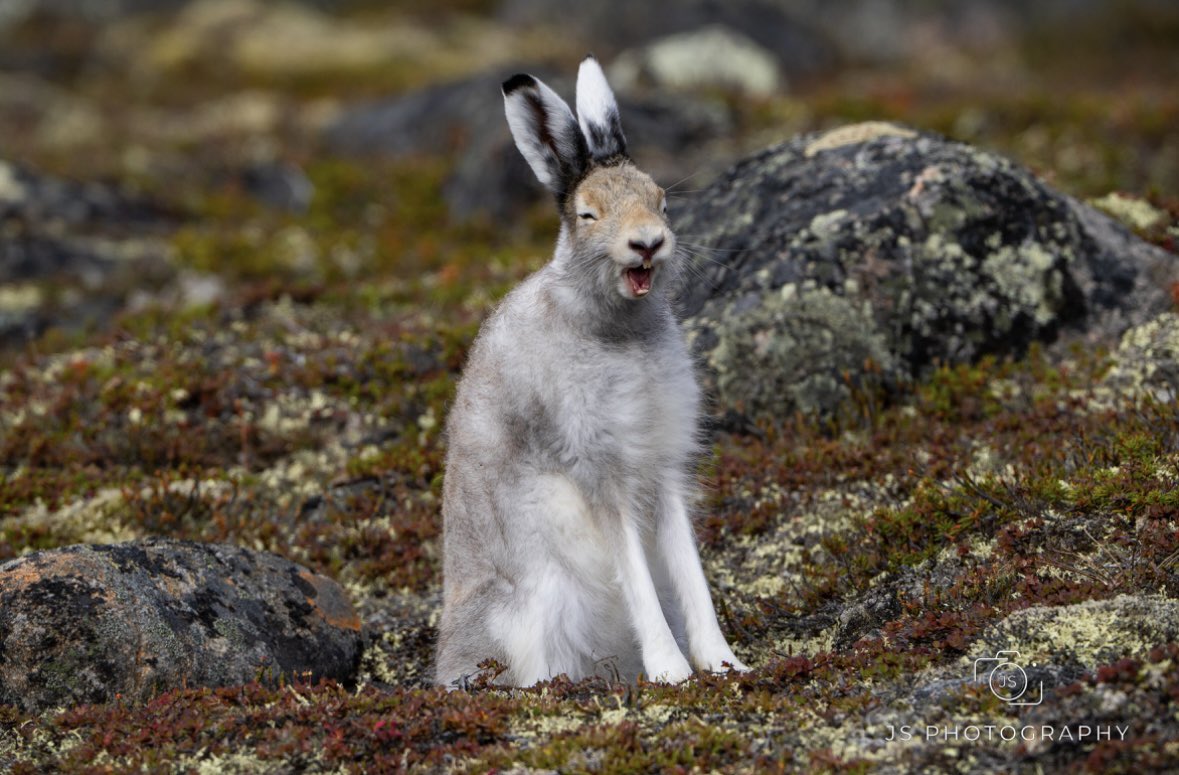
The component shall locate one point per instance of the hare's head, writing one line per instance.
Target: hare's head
(614, 216)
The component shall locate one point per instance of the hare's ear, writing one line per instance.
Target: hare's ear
(545, 132)
(597, 110)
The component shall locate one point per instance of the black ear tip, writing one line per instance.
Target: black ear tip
(590, 55)
(518, 81)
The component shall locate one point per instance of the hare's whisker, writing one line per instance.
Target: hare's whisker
(689, 176)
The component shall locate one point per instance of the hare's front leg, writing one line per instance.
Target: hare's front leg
(662, 658)
(676, 546)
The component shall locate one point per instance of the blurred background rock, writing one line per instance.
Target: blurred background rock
(151, 151)
(160, 154)
(145, 85)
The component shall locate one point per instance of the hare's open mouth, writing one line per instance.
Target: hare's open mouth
(639, 279)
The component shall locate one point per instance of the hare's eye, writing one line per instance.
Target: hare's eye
(586, 215)
(663, 206)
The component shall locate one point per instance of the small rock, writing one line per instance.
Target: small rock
(85, 624)
(1147, 362)
(863, 255)
(713, 57)
(12, 190)
(199, 290)
(1084, 635)
(864, 617)
(279, 185)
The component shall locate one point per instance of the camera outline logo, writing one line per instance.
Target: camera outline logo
(1006, 678)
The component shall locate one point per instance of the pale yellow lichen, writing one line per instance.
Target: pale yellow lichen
(854, 134)
(11, 189)
(825, 224)
(17, 299)
(1131, 211)
(234, 763)
(1146, 363)
(93, 520)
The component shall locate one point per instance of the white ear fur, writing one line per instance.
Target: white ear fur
(545, 131)
(597, 111)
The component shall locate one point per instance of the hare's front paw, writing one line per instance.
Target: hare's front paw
(720, 661)
(672, 669)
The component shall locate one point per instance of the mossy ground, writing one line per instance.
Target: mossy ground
(856, 561)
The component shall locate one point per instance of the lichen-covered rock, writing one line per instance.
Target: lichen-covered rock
(1147, 361)
(1099, 663)
(1085, 635)
(89, 623)
(865, 254)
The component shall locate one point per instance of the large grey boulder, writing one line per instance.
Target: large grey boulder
(863, 255)
(89, 623)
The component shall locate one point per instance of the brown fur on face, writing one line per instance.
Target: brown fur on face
(620, 191)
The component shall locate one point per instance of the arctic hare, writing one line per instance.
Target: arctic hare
(567, 541)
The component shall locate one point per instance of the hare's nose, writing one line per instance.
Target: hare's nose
(646, 248)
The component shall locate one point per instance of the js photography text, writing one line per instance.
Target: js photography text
(1008, 732)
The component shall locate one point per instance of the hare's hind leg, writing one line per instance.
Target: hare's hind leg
(542, 629)
(547, 625)
(529, 627)
(463, 638)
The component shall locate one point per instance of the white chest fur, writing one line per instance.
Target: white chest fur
(602, 412)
